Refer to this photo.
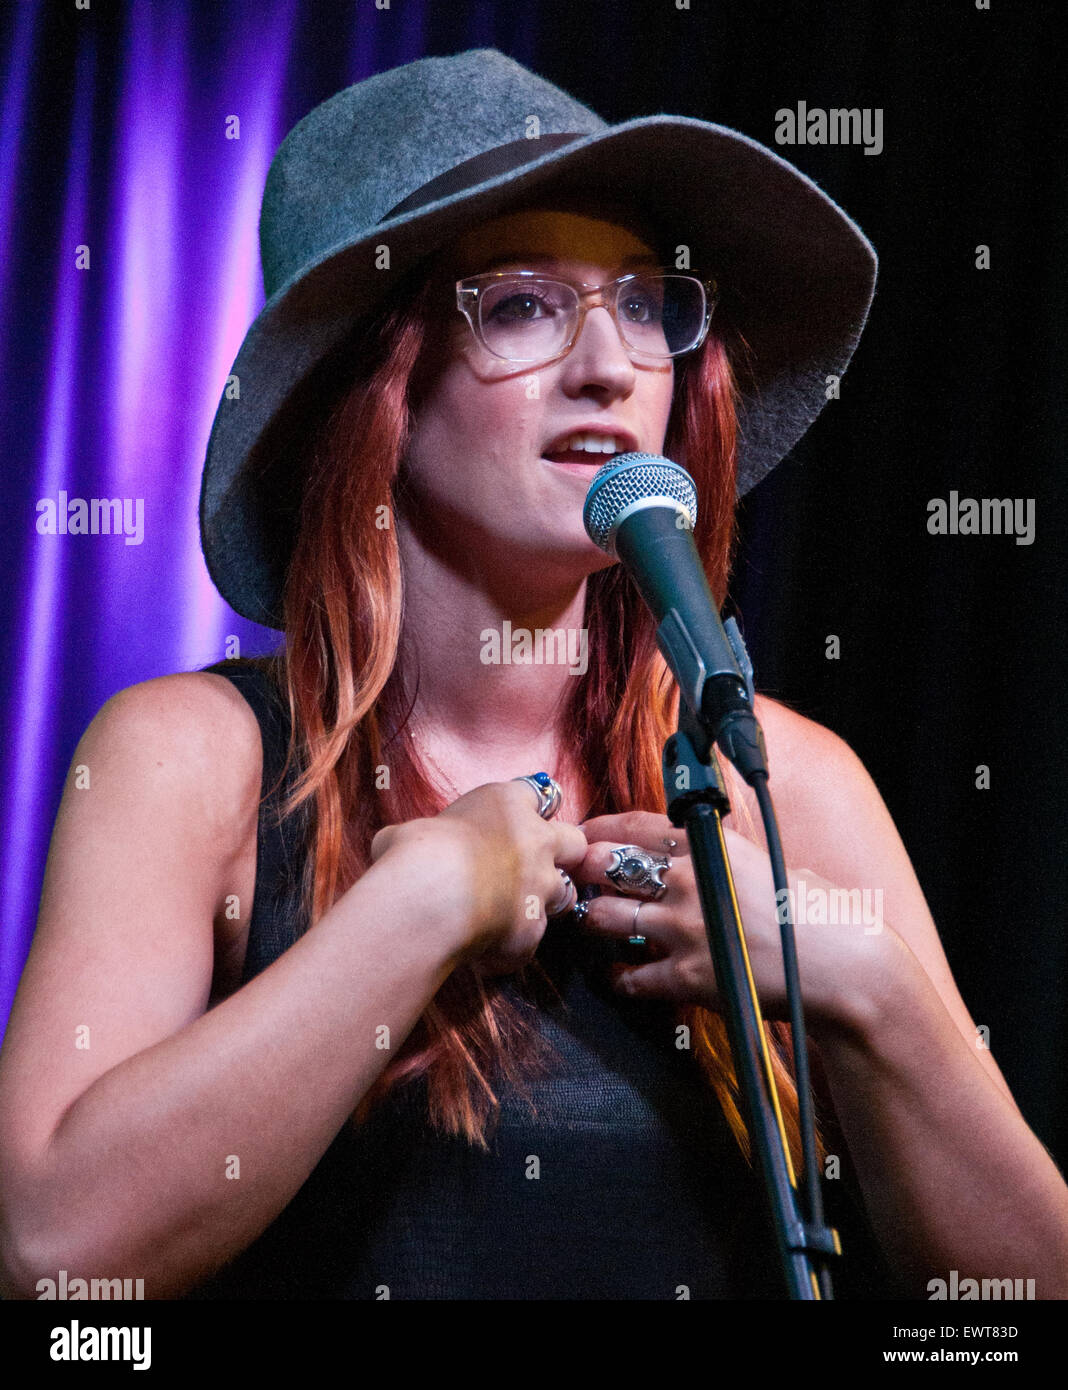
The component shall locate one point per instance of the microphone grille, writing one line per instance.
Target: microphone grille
(630, 478)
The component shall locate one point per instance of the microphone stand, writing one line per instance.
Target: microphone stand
(690, 763)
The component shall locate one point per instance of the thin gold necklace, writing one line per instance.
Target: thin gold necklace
(452, 785)
(448, 780)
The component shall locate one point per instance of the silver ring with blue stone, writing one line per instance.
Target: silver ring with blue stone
(549, 794)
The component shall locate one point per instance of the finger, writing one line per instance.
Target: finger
(568, 842)
(602, 856)
(644, 828)
(566, 897)
(570, 846)
(381, 842)
(540, 796)
(654, 979)
(622, 918)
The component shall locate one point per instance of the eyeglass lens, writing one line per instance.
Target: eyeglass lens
(524, 319)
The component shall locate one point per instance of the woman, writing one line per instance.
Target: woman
(358, 1042)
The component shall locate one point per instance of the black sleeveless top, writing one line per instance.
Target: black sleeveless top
(626, 1182)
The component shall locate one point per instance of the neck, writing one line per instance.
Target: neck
(489, 690)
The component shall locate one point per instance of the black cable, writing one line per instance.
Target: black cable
(812, 1193)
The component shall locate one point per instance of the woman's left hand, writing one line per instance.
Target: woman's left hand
(676, 963)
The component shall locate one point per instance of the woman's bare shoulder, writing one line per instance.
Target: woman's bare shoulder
(835, 823)
(805, 758)
(155, 821)
(201, 711)
(826, 801)
(192, 732)
(796, 738)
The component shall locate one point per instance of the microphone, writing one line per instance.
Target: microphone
(642, 508)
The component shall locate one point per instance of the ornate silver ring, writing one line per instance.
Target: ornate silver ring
(635, 870)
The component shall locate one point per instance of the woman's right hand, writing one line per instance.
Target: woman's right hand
(496, 865)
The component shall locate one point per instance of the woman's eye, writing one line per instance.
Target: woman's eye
(518, 306)
(640, 308)
(522, 306)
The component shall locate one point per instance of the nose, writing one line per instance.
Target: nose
(598, 362)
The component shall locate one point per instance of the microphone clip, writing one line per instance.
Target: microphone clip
(691, 769)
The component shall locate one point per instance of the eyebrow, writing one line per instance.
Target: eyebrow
(529, 258)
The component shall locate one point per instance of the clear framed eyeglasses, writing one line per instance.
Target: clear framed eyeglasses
(525, 317)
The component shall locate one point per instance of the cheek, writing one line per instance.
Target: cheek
(485, 410)
(467, 431)
(667, 396)
(654, 396)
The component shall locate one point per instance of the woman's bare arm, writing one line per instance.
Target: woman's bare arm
(953, 1177)
(123, 1104)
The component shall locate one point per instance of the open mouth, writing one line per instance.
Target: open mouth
(577, 458)
(586, 450)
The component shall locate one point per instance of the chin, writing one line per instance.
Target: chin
(589, 558)
(553, 541)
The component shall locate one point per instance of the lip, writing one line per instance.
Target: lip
(582, 470)
(604, 428)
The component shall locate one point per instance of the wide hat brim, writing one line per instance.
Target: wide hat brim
(796, 273)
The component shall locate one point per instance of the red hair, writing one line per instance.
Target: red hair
(339, 669)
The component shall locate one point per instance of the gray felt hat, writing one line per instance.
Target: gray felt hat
(411, 157)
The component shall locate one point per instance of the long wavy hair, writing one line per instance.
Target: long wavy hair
(348, 705)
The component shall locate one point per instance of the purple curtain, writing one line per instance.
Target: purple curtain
(136, 141)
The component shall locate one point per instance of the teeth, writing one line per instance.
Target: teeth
(593, 444)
